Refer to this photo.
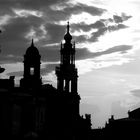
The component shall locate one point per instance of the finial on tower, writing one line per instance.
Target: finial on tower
(68, 27)
(67, 36)
(32, 44)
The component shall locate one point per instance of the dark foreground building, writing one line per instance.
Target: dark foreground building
(125, 127)
(120, 129)
(37, 111)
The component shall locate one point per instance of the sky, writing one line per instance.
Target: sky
(107, 36)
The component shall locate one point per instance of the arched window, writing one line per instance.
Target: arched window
(32, 71)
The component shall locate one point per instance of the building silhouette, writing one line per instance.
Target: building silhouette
(120, 129)
(39, 111)
(31, 77)
(124, 127)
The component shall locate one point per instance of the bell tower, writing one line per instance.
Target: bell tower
(31, 77)
(67, 73)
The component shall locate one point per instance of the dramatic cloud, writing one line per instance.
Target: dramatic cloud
(27, 13)
(120, 19)
(46, 23)
(84, 53)
(97, 25)
(117, 27)
(117, 19)
(76, 9)
(17, 42)
(52, 54)
(102, 26)
(30, 4)
(32, 19)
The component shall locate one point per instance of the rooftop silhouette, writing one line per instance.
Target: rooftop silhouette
(39, 111)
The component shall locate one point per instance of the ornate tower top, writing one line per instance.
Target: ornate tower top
(67, 72)
(68, 36)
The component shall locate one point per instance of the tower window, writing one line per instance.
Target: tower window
(70, 86)
(32, 71)
(64, 85)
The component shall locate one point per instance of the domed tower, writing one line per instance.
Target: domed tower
(67, 77)
(31, 77)
(67, 72)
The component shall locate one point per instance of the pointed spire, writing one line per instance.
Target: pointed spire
(68, 27)
(32, 44)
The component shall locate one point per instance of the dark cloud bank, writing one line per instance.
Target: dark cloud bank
(13, 39)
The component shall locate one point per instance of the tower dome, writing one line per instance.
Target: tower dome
(68, 36)
(32, 50)
(31, 77)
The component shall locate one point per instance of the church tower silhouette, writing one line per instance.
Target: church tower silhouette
(40, 111)
(67, 72)
(31, 77)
